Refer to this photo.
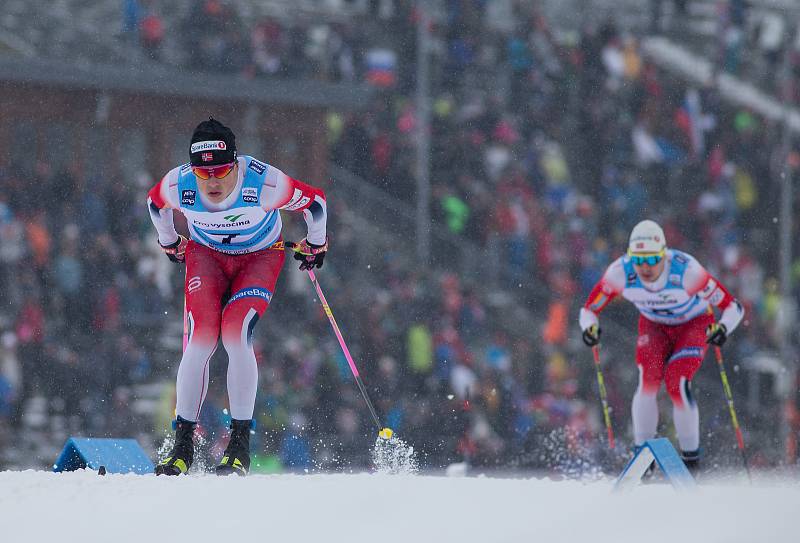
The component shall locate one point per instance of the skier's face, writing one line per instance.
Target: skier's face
(217, 189)
(647, 272)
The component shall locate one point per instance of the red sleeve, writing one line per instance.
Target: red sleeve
(156, 197)
(600, 296)
(607, 288)
(715, 292)
(698, 281)
(300, 196)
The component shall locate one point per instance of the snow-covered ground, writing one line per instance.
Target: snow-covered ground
(82, 506)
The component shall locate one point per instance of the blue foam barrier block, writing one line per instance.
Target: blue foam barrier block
(666, 457)
(117, 455)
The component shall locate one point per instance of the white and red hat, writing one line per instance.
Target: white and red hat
(647, 237)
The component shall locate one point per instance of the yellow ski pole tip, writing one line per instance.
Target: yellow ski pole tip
(386, 433)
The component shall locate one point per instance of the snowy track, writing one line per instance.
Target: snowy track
(82, 506)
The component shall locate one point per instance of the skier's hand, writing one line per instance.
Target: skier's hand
(176, 252)
(591, 336)
(310, 255)
(716, 334)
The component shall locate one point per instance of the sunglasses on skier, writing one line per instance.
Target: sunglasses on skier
(205, 172)
(650, 259)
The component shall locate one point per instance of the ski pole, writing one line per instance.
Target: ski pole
(734, 419)
(383, 432)
(603, 398)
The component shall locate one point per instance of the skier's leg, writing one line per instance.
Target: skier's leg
(685, 413)
(239, 320)
(205, 284)
(204, 288)
(690, 349)
(651, 350)
(251, 292)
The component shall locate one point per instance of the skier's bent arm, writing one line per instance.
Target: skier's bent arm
(283, 192)
(159, 205)
(601, 295)
(699, 281)
(316, 217)
(732, 315)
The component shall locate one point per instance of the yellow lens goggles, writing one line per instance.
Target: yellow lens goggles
(651, 259)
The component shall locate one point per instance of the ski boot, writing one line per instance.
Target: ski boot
(692, 461)
(236, 458)
(182, 454)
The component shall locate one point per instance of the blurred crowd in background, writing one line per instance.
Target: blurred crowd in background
(234, 40)
(739, 36)
(547, 147)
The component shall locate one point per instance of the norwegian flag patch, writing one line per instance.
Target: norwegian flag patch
(207, 157)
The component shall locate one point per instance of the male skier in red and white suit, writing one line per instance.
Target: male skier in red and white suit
(674, 295)
(233, 260)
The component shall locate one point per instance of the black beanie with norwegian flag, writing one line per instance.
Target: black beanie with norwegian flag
(213, 143)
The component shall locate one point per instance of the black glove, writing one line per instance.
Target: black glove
(591, 336)
(310, 255)
(716, 334)
(176, 252)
